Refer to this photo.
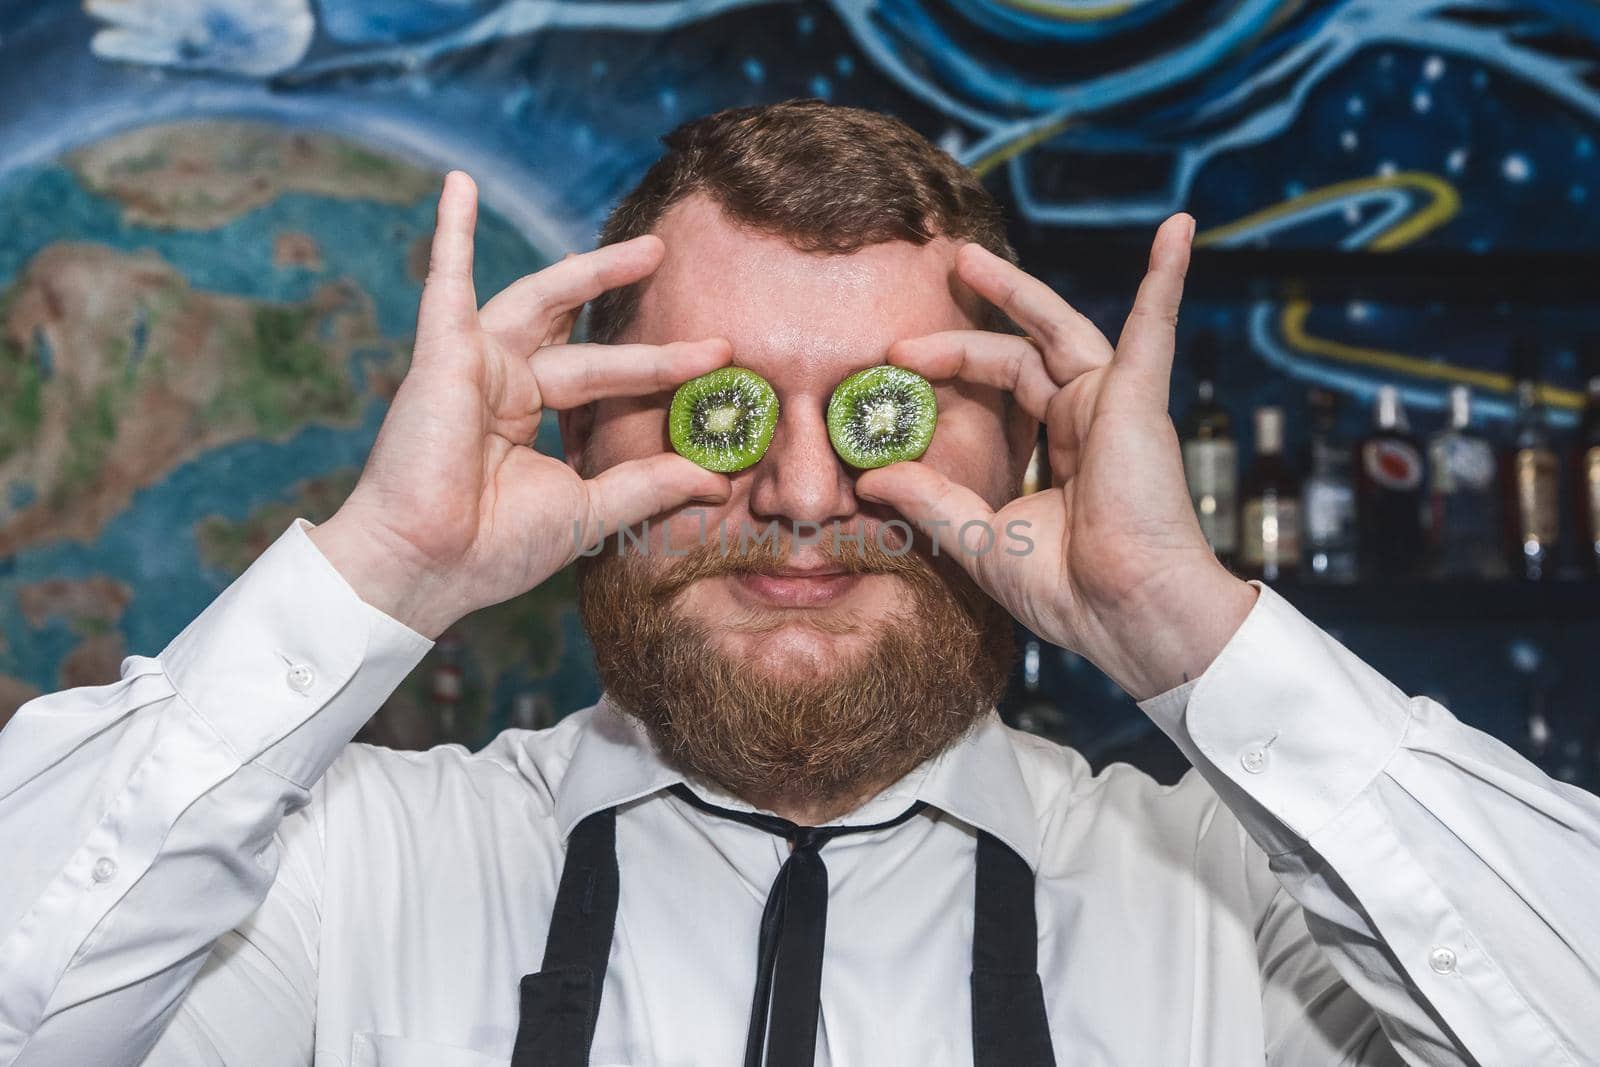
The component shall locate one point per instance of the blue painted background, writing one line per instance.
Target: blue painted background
(1381, 126)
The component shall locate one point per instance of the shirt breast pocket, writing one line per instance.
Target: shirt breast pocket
(384, 1050)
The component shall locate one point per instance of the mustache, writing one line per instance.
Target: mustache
(926, 674)
(866, 549)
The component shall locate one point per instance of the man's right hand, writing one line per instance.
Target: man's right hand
(452, 513)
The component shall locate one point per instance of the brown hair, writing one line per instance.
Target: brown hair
(825, 177)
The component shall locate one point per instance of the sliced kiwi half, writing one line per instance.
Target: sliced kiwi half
(882, 415)
(723, 420)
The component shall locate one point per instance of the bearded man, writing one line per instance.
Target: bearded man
(793, 831)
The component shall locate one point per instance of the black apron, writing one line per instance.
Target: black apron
(560, 1002)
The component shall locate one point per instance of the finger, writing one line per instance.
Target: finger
(561, 327)
(522, 313)
(1148, 337)
(572, 375)
(942, 509)
(1065, 336)
(636, 490)
(1002, 360)
(448, 303)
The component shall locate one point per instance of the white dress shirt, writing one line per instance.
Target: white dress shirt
(199, 868)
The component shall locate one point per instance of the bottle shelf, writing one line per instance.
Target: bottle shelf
(1449, 603)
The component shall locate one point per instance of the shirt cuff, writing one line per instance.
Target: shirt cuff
(1290, 717)
(290, 639)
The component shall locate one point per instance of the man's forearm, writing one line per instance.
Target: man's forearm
(111, 800)
(1387, 818)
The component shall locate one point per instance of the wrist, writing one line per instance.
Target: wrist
(1172, 628)
(382, 574)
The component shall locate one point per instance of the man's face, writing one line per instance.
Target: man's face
(813, 672)
(804, 322)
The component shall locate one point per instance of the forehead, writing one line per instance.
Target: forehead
(785, 310)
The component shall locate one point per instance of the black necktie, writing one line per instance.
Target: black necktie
(783, 1015)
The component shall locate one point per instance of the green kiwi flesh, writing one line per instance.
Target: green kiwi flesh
(723, 420)
(882, 415)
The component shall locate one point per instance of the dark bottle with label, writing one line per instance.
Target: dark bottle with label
(1463, 514)
(1389, 493)
(1532, 478)
(1269, 527)
(447, 689)
(1211, 455)
(1328, 498)
(1587, 462)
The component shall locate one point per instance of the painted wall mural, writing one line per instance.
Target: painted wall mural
(214, 217)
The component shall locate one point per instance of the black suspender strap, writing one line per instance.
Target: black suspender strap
(1009, 1024)
(561, 1002)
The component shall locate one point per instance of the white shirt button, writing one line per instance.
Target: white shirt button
(1254, 760)
(1442, 960)
(300, 677)
(105, 868)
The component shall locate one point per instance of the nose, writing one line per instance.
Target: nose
(801, 478)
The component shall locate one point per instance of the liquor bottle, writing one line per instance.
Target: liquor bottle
(1269, 534)
(1531, 477)
(446, 689)
(1538, 742)
(1463, 513)
(1389, 493)
(1029, 704)
(1587, 456)
(1210, 455)
(531, 710)
(1037, 474)
(1328, 498)
(1031, 707)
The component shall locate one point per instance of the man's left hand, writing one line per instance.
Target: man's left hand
(1119, 571)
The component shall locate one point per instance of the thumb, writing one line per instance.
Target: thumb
(449, 303)
(639, 489)
(957, 520)
(1144, 351)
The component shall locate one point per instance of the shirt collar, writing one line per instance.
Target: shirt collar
(979, 781)
(976, 780)
(614, 762)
